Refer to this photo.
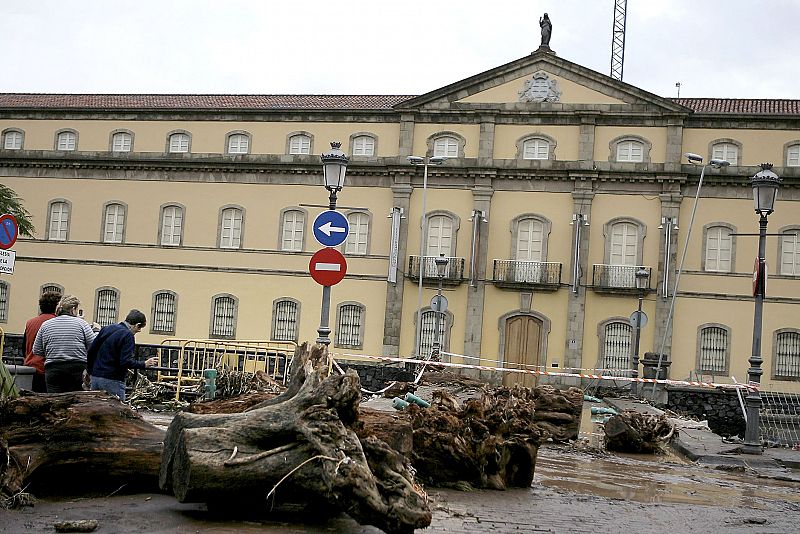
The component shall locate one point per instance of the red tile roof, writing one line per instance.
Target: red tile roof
(204, 102)
(747, 106)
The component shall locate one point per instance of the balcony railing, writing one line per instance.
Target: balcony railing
(454, 273)
(617, 277)
(516, 274)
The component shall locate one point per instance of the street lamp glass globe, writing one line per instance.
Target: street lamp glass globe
(765, 189)
(642, 276)
(441, 265)
(334, 167)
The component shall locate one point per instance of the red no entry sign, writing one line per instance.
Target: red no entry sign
(9, 230)
(327, 267)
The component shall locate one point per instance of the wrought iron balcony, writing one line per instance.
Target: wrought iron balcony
(517, 274)
(617, 278)
(454, 272)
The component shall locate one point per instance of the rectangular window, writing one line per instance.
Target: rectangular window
(363, 146)
(224, 317)
(718, 249)
(294, 222)
(300, 144)
(164, 313)
(793, 156)
(231, 233)
(238, 144)
(285, 321)
(121, 142)
(359, 233)
(114, 223)
(713, 350)
(617, 347)
(348, 331)
(66, 141)
(3, 303)
(446, 147)
(790, 253)
(787, 355)
(12, 141)
(171, 226)
(536, 149)
(106, 307)
(427, 339)
(179, 143)
(726, 151)
(59, 221)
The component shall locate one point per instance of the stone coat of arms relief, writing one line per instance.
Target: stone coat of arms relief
(540, 88)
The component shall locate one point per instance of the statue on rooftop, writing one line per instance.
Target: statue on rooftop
(547, 29)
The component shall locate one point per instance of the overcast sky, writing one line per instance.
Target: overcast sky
(715, 48)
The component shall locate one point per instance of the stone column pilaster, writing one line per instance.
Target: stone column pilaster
(486, 142)
(401, 191)
(674, 144)
(670, 208)
(576, 304)
(586, 140)
(481, 201)
(406, 135)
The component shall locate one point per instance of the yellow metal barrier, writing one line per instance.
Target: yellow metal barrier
(183, 361)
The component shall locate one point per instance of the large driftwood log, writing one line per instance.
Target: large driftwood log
(631, 431)
(299, 445)
(84, 430)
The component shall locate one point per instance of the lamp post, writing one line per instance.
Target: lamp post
(334, 167)
(765, 190)
(441, 270)
(642, 284)
(416, 160)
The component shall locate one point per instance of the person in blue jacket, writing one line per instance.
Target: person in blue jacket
(111, 355)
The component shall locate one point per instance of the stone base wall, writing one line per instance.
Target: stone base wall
(376, 377)
(13, 349)
(719, 407)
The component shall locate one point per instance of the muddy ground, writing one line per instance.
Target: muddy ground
(573, 491)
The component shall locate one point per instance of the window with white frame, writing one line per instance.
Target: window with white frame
(529, 250)
(163, 315)
(3, 302)
(66, 141)
(223, 319)
(238, 144)
(624, 244)
(52, 288)
(790, 252)
(787, 354)
(536, 148)
(179, 143)
(121, 142)
(727, 151)
(445, 146)
(617, 337)
(428, 337)
(114, 223)
(12, 140)
(713, 350)
(59, 221)
(300, 144)
(719, 249)
(440, 241)
(293, 226)
(106, 306)
(171, 226)
(630, 151)
(285, 316)
(792, 156)
(363, 145)
(358, 237)
(350, 326)
(231, 228)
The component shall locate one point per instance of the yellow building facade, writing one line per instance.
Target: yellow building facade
(559, 184)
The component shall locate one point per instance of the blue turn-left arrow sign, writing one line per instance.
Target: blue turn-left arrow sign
(331, 228)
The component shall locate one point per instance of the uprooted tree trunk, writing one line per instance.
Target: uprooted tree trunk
(299, 446)
(85, 431)
(631, 431)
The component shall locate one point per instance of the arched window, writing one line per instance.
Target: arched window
(179, 143)
(792, 155)
(787, 354)
(630, 151)
(624, 244)
(363, 145)
(719, 248)
(428, 336)
(223, 316)
(66, 140)
(285, 318)
(238, 143)
(445, 146)
(13, 139)
(114, 223)
(440, 241)
(3, 302)
(616, 347)
(536, 148)
(300, 144)
(358, 238)
(727, 149)
(171, 225)
(106, 309)
(230, 225)
(789, 251)
(121, 142)
(58, 220)
(293, 224)
(52, 288)
(164, 311)
(713, 348)
(530, 247)
(350, 325)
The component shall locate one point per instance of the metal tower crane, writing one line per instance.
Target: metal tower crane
(618, 39)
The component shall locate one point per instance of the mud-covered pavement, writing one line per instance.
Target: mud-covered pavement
(572, 492)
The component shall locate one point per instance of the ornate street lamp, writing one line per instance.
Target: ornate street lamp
(642, 285)
(441, 271)
(765, 191)
(334, 167)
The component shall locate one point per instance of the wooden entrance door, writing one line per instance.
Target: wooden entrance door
(523, 335)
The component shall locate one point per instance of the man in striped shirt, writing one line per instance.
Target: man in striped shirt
(64, 342)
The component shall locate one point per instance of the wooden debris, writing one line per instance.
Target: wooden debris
(632, 431)
(83, 525)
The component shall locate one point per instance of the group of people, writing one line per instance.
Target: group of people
(69, 354)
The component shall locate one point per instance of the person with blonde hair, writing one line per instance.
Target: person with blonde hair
(64, 342)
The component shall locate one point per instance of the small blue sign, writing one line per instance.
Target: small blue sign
(331, 228)
(9, 231)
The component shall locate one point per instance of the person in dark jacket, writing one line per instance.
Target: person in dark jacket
(111, 355)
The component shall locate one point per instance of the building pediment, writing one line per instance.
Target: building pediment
(542, 81)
